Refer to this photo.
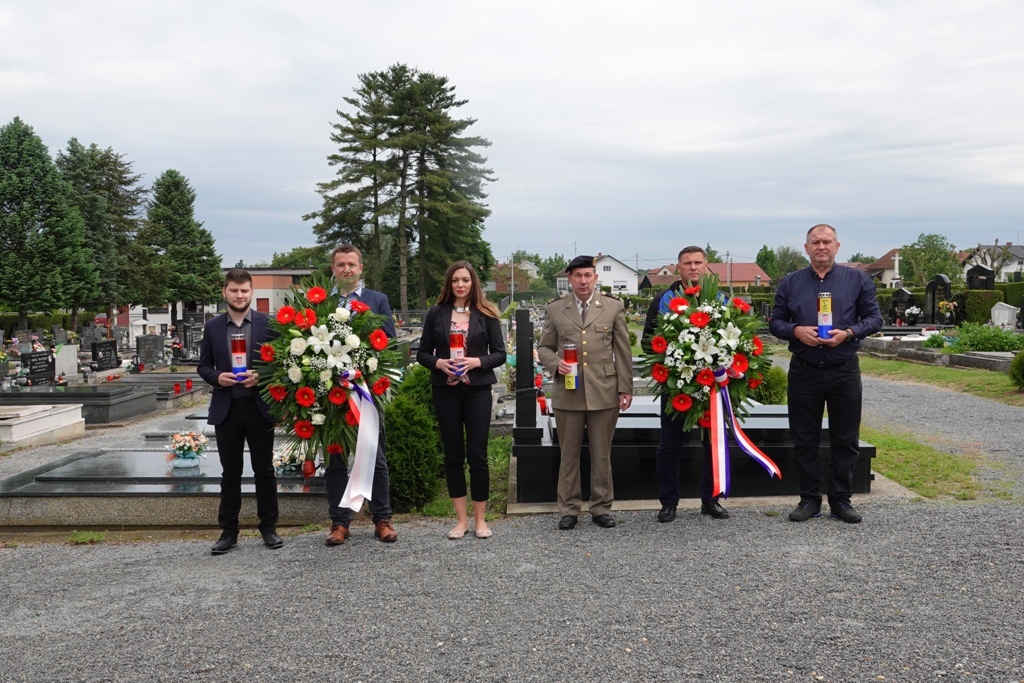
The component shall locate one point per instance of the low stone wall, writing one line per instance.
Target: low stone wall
(933, 356)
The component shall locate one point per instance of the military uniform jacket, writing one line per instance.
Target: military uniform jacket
(605, 360)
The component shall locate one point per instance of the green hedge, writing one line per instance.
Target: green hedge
(9, 321)
(1014, 292)
(772, 391)
(1017, 371)
(884, 297)
(414, 452)
(975, 305)
(759, 289)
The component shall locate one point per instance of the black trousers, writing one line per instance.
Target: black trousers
(811, 389)
(673, 438)
(246, 424)
(465, 408)
(336, 479)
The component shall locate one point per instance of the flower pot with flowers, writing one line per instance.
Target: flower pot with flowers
(4, 365)
(186, 447)
(325, 376)
(912, 314)
(948, 310)
(706, 358)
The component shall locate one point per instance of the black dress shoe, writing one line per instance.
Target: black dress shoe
(272, 540)
(225, 543)
(667, 514)
(567, 522)
(605, 521)
(713, 508)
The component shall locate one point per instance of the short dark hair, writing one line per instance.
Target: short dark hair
(822, 225)
(239, 276)
(346, 249)
(692, 249)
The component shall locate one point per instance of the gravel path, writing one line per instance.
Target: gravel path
(918, 592)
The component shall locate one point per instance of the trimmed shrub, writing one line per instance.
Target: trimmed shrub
(1014, 292)
(974, 337)
(772, 391)
(632, 338)
(1017, 371)
(413, 451)
(884, 297)
(975, 305)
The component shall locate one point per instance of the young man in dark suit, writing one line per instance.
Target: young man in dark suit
(347, 266)
(238, 412)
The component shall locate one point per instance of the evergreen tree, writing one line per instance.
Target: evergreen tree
(927, 257)
(191, 270)
(712, 254)
(41, 230)
(768, 262)
(861, 258)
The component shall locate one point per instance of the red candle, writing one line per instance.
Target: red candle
(569, 354)
(457, 343)
(188, 385)
(177, 388)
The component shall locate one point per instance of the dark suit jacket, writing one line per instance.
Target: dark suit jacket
(484, 341)
(215, 359)
(378, 303)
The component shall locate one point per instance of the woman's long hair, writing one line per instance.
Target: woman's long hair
(476, 292)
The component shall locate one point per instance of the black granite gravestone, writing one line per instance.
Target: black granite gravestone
(60, 335)
(39, 366)
(104, 354)
(901, 300)
(150, 349)
(937, 290)
(981, 277)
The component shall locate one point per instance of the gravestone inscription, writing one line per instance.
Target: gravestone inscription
(60, 335)
(104, 354)
(937, 290)
(38, 366)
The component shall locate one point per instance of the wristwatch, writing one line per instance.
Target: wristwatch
(849, 334)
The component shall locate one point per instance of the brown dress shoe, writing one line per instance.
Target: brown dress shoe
(337, 536)
(385, 531)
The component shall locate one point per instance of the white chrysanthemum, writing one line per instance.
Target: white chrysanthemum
(704, 349)
(340, 314)
(371, 365)
(730, 335)
(352, 341)
(298, 346)
(295, 374)
(338, 355)
(319, 338)
(325, 375)
(318, 418)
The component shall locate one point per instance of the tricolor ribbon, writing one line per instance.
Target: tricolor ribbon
(360, 475)
(722, 417)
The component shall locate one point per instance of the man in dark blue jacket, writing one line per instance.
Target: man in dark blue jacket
(347, 266)
(238, 412)
(824, 369)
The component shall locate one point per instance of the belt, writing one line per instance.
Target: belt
(800, 361)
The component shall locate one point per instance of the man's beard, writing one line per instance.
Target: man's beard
(236, 309)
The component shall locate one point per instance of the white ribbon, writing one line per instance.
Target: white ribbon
(364, 460)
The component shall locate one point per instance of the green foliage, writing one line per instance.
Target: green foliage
(789, 260)
(316, 257)
(41, 230)
(772, 390)
(712, 254)
(861, 258)
(884, 298)
(760, 289)
(975, 305)
(1017, 371)
(935, 341)
(414, 452)
(769, 262)
(975, 337)
(1014, 292)
(87, 537)
(632, 338)
(928, 256)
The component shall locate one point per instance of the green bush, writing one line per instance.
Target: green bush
(974, 337)
(1017, 371)
(884, 298)
(772, 391)
(414, 452)
(1014, 292)
(632, 338)
(936, 341)
(975, 305)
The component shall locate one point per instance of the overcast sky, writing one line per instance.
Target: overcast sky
(628, 128)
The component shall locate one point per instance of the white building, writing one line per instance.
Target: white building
(611, 272)
(1015, 264)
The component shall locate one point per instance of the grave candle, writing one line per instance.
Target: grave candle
(824, 314)
(239, 356)
(570, 357)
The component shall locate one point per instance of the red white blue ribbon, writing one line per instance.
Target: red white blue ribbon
(723, 418)
(360, 475)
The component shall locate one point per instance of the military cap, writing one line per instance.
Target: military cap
(581, 262)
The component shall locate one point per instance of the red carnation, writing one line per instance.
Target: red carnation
(659, 373)
(316, 295)
(692, 291)
(700, 319)
(659, 344)
(357, 306)
(681, 403)
(706, 377)
(677, 305)
(378, 340)
(350, 418)
(305, 397)
(758, 346)
(285, 315)
(742, 305)
(336, 396)
(755, 382)
(381, 386)
(335, 449)
(740, 363)
(705, 419)
(267, 353)
(277, 392)
(303, 429)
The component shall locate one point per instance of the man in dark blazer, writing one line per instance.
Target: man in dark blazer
(347, 266)
(238, 412)
(596, 324)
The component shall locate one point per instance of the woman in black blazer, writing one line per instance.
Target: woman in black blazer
(462, 386)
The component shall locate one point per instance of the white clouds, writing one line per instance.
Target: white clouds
(746, 120)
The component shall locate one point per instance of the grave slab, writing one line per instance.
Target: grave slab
(100, 404)
(40, 424)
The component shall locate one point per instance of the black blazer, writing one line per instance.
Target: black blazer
(484, 341)
(215, 359)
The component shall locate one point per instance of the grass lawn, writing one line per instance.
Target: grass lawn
(922, 469)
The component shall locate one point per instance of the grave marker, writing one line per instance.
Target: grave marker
(39, 366)
(104, 354)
